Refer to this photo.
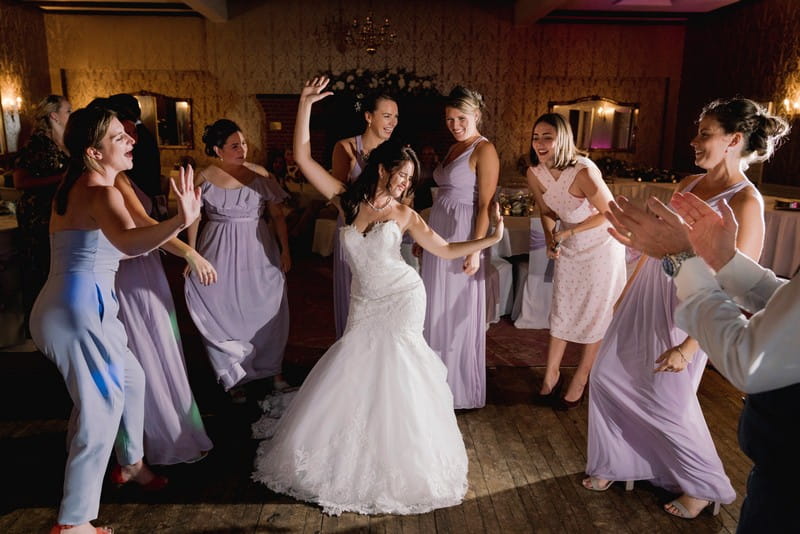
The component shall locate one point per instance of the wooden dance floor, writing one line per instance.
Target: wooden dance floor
(526, 463)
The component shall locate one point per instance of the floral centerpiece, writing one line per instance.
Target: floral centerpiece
(397, 82)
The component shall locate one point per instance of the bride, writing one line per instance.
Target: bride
(372, 429)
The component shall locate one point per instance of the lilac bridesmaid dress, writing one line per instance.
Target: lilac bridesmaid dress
(341, 271)
(645, 425)
(455, 323)
(244, 317)
(173, 429)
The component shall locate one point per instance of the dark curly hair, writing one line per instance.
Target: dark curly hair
(215, 135)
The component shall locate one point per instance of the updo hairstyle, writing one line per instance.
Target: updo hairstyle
(215, 135)
(467, 101)
(762, 131)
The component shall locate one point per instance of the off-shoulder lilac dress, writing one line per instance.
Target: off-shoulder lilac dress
(645, 425)
(244, 317)
(341, 271)
(173, 429)
(455, 323)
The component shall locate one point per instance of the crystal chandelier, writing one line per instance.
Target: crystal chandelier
(369, 35)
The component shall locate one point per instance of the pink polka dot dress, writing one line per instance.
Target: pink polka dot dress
(589, 274)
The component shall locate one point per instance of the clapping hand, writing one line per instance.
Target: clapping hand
(656, 231)
(313, 90)
(187, 195)
(712, 235)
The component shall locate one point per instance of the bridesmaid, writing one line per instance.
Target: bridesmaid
(455, 323)
(244, 320)
(349, 159)
(645, 422)
(74, 320)
(173, 429)
(589, 263)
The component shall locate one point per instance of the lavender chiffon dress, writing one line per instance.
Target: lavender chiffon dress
(455, 323)
(244, 317)
(173, 429)
(645, 425)
(341, 271)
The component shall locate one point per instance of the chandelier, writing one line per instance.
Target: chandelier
(369, 35)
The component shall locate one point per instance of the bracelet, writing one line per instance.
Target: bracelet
(572, 232)
(678, 348)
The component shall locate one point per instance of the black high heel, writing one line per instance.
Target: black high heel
(549, 399)
(563, 405)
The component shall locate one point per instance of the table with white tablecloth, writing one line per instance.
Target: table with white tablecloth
(781, 251)
(639, 192)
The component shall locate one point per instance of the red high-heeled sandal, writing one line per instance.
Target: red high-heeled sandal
(57, 529)
(157, 483)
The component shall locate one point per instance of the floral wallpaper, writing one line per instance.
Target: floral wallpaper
(271, 47)
(23, 59)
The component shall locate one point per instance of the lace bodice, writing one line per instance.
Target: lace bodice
(376, 263)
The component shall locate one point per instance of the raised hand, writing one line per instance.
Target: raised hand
(313, 90)
(713, 236)
(187, 195)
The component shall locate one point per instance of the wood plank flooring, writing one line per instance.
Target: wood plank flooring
(526, 463)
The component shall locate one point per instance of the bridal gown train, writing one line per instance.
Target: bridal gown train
(372, 429)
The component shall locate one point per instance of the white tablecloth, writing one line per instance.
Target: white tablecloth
(781, 251)
(639, 192)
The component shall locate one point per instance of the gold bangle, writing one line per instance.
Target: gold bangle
(678, 348)
(572, 232)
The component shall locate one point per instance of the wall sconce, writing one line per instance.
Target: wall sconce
(11, 122)
(791, 107)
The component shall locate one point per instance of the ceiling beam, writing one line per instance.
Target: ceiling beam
(213, 10)
(530, 11)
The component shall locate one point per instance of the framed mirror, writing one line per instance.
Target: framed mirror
(600, 123)
(168, 118)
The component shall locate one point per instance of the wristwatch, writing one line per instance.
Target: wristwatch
(671, 263)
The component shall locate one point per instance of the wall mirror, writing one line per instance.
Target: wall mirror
(168, 118)
(600, 123)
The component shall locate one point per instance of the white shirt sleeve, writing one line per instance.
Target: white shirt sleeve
(757, 354)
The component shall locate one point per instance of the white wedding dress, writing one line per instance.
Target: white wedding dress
(372, 429)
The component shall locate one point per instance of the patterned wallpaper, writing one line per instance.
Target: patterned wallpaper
(271, 47)
(750, 49)
(23, 59)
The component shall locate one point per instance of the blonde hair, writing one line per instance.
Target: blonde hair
(41, 114)
(566, 153)
(467, 101)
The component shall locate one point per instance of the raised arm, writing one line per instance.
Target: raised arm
(425, 237)
(107, 207)
(313, 171)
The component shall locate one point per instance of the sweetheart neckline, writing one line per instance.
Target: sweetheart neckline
(374, 226)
